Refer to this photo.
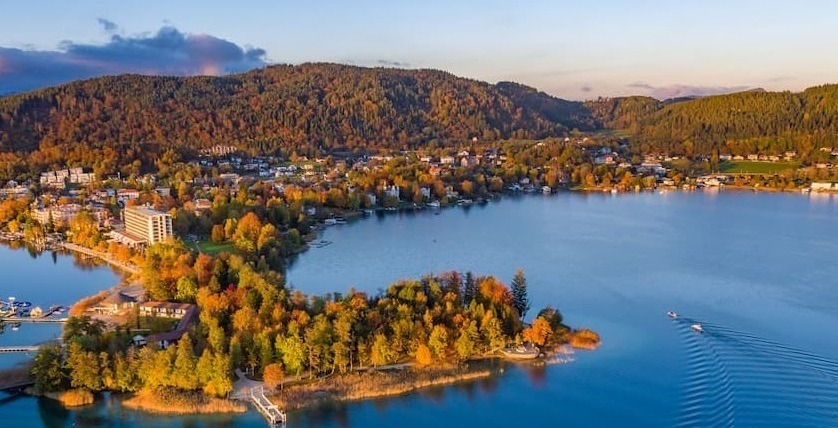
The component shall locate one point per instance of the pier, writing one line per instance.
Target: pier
(269, 410)
(32, 319)
(24, 348)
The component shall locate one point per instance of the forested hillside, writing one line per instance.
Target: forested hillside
(280, 107)
(130, 120)
(743, 123)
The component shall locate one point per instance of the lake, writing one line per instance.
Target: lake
(45, 279)
(757, 270)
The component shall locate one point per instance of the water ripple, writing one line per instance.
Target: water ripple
(735, 378)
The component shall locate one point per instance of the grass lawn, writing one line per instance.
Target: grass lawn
(756, 167)
(213, 248)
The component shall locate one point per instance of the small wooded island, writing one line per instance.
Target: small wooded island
(430, 331)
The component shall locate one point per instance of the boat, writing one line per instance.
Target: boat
(697, 327)
(672, 314)
(521, 353)
(433, 204)
(330, 222)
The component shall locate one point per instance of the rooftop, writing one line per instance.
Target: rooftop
(145, 211)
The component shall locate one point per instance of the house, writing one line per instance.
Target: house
(393, 191)
(604, 160)
(447, 160)
(60, 214)
(164, 309)
(189, 316)
(138, 340)
(426, 192)
(126, 297)
(202, 204)
(823, 186)
(125, 195)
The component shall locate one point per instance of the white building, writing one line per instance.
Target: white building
(392, 191)
(821, 186)
(150, 225)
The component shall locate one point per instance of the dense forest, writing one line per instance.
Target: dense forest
(304, 107)
(750, 122)
(131, 119)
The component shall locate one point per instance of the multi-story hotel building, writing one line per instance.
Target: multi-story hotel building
(151, 225)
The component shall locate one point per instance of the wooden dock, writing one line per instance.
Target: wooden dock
(32, 319)
(269, 410)
(24, 348)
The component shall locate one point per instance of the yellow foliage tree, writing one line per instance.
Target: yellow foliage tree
(423, 355)
(538, 332)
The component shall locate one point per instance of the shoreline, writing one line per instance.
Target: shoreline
(371, 385)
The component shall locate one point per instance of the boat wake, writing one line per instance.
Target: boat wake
(739, 379)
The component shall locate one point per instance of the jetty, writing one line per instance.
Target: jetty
(269, 410)
(23, 348)
(245, 389)
(32, 319)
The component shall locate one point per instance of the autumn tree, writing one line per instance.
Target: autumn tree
(273, 375)
(538, 332)
(423, 355)
(47, 369)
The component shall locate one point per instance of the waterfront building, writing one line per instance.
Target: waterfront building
(150, 225)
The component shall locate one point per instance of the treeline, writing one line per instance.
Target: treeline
(128, 123)
(751, 122)
(253, 321)
(110, 122)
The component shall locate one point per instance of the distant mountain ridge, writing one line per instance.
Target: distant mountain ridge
(310, 107)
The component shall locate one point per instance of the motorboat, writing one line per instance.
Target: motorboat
(672, 314)
(521, 353)
(697, 327)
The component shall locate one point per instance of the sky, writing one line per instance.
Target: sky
(574, 50)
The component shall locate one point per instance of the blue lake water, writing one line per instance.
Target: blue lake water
(757, 270)
(44, 279)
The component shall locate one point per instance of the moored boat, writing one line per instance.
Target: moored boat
(521, 353)
(697, 327)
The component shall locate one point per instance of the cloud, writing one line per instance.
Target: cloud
(166, 52)
(681, 90)
(389, 63)
(107, 24)
(641, 85)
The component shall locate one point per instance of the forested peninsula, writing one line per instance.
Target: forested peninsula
(429, 328)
